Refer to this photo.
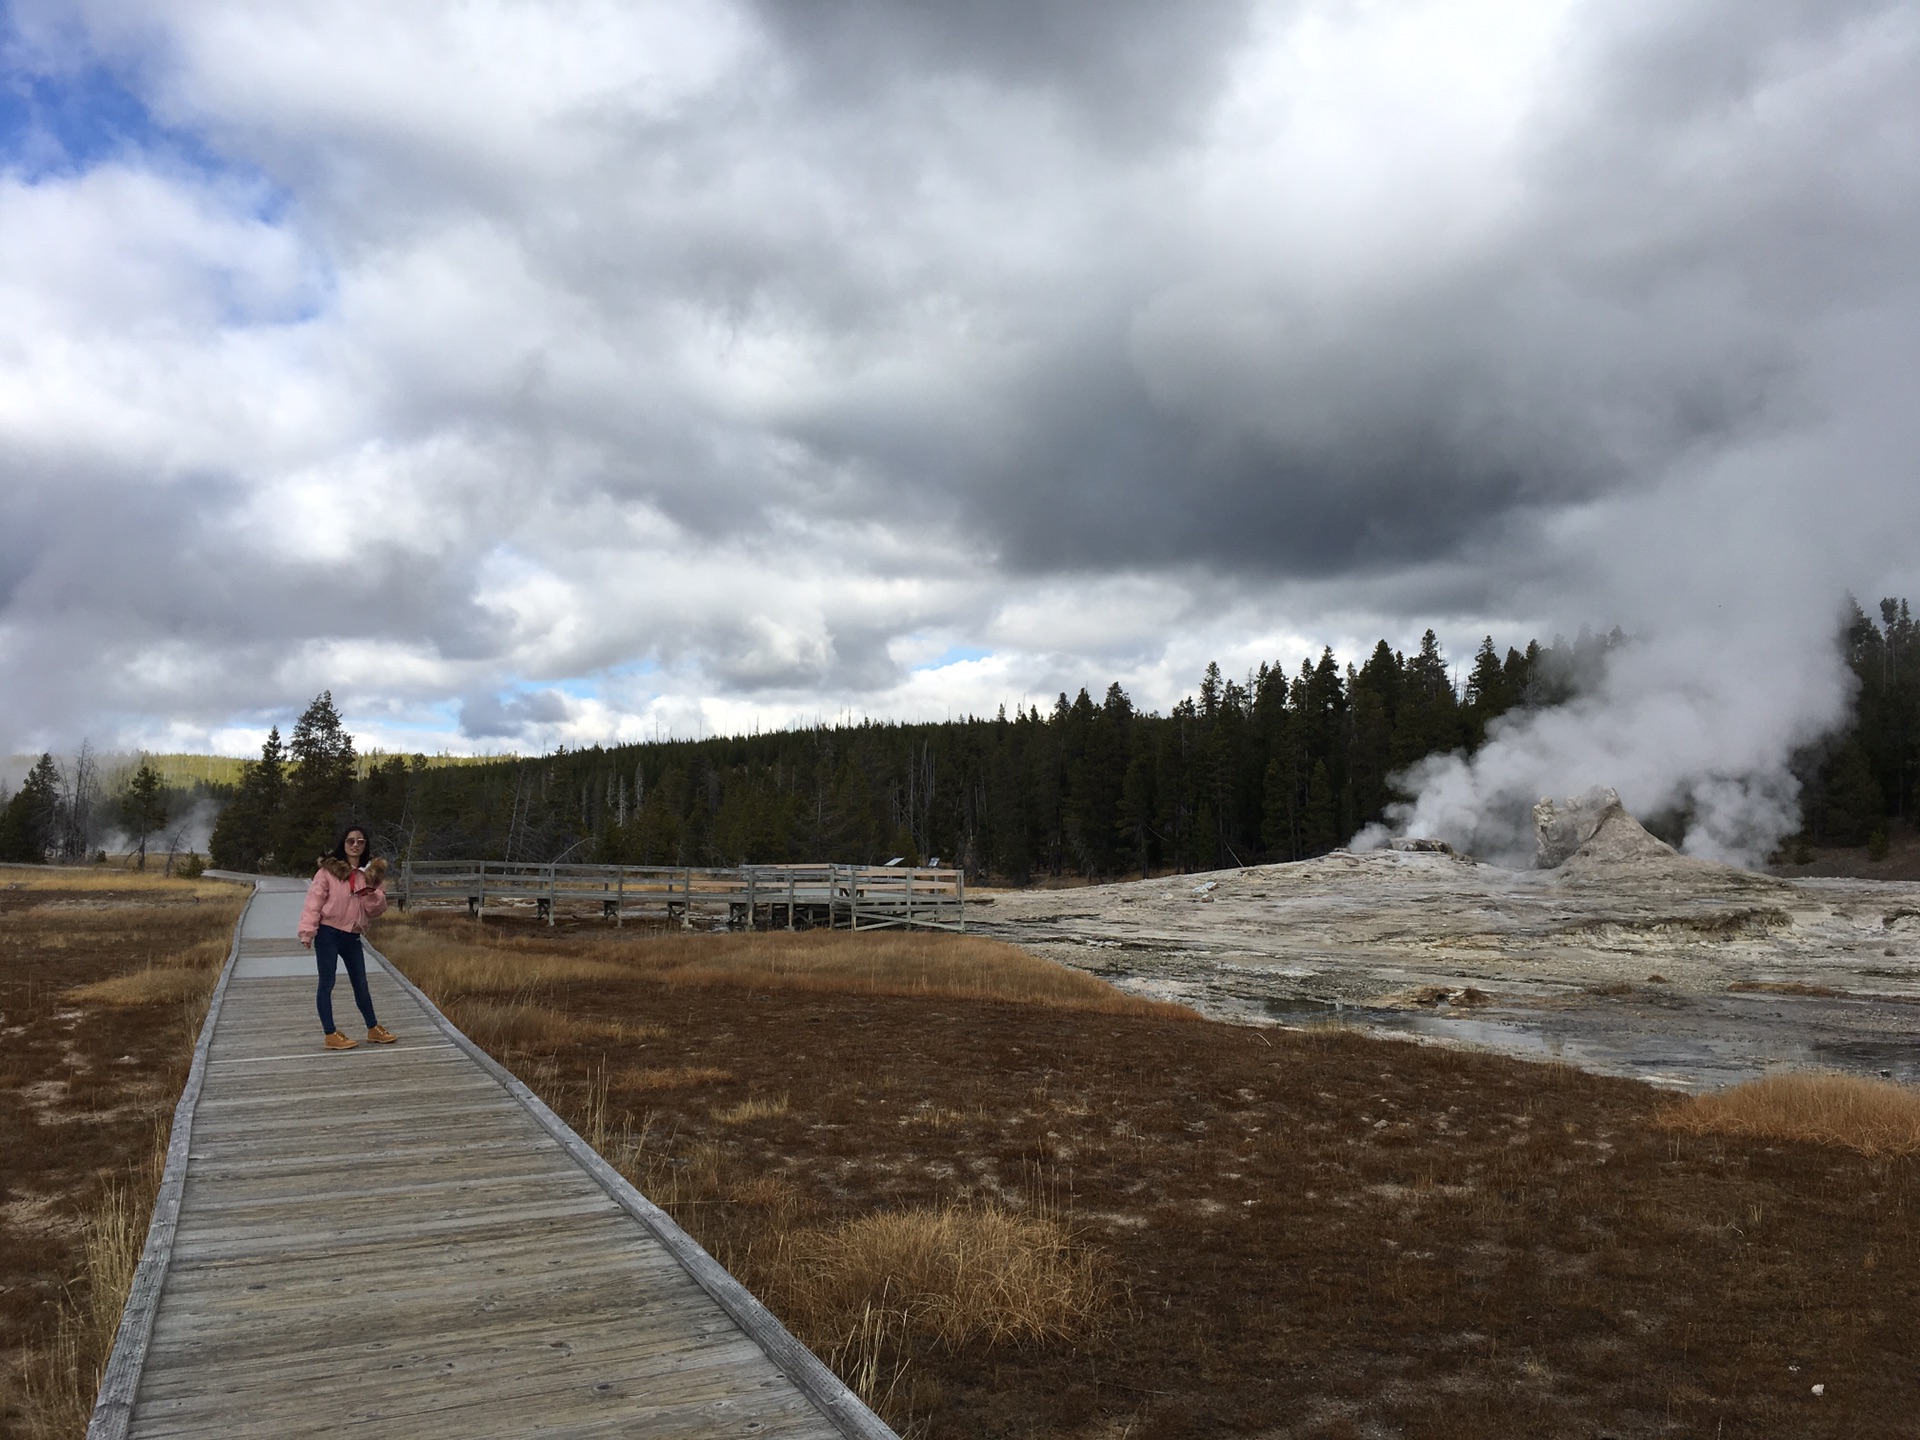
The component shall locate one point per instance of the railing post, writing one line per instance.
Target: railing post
(753, 886)
(960, 894)
(480, 904)
(909, 880)
(552, 893)
(790, 923)
(620, 898)
(686, 908)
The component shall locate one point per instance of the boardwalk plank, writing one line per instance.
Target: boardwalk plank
(673, 1344)
(395, 1267)
(290, 1341)
(613, 1412)
(393, 1392)
(388, 1255)
(285, 1326)
(281, 1196)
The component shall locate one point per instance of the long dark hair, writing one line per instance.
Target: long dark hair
(339, 851)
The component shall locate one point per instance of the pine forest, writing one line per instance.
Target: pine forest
(1269, 766)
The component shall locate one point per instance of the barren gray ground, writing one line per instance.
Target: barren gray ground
(1375, 937)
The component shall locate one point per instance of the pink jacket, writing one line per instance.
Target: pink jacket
(345, 899)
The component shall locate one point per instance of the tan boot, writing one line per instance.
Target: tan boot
(380, 1035)
(337, 1041)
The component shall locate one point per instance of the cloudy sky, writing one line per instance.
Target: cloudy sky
(559, 372)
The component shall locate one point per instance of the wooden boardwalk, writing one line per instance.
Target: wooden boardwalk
(402, 1241)
(743, 897)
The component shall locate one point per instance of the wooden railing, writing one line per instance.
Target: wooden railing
(792, 897)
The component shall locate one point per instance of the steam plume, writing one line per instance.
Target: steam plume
(1690, 722)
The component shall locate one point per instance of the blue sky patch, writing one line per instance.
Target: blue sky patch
(954, 655)
(69, 121)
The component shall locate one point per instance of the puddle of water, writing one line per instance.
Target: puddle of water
(1870, 1057)
(1684, 1063)
(1708, 1058)
(1297, 1008)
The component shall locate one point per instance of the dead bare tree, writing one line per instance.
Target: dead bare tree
(79, 803)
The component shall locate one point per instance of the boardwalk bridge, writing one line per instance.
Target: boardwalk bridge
(745, 897)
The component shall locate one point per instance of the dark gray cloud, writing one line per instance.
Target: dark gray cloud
(513, 716)
(1133, 72)
(1710, 182)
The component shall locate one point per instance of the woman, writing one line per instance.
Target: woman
(346, 893)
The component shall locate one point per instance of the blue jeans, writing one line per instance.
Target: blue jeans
(330, 945)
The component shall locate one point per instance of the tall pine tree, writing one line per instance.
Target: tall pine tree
(319, 794)
(243, 836)
(143, 806)
(30, 821)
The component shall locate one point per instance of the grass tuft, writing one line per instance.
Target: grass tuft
(760, 1107)
(870, 1292)
(155, 985)
(1875, 1117)
(954, 1274)
(671, 1077)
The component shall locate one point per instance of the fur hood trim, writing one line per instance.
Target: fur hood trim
(376, 869)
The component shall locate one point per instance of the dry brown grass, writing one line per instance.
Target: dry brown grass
(670, 1077)
(1312, 1233)
(956, 1274)
(758, 1107)
(450, 956)
(104, 979)
(155, 985)
(913, 964)
(59, 1384)
(870, 1291)
(99, 878)
(523, 1024)
(185, 974)
(1786, 987)
(866, 1293)
(1875, 1117)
